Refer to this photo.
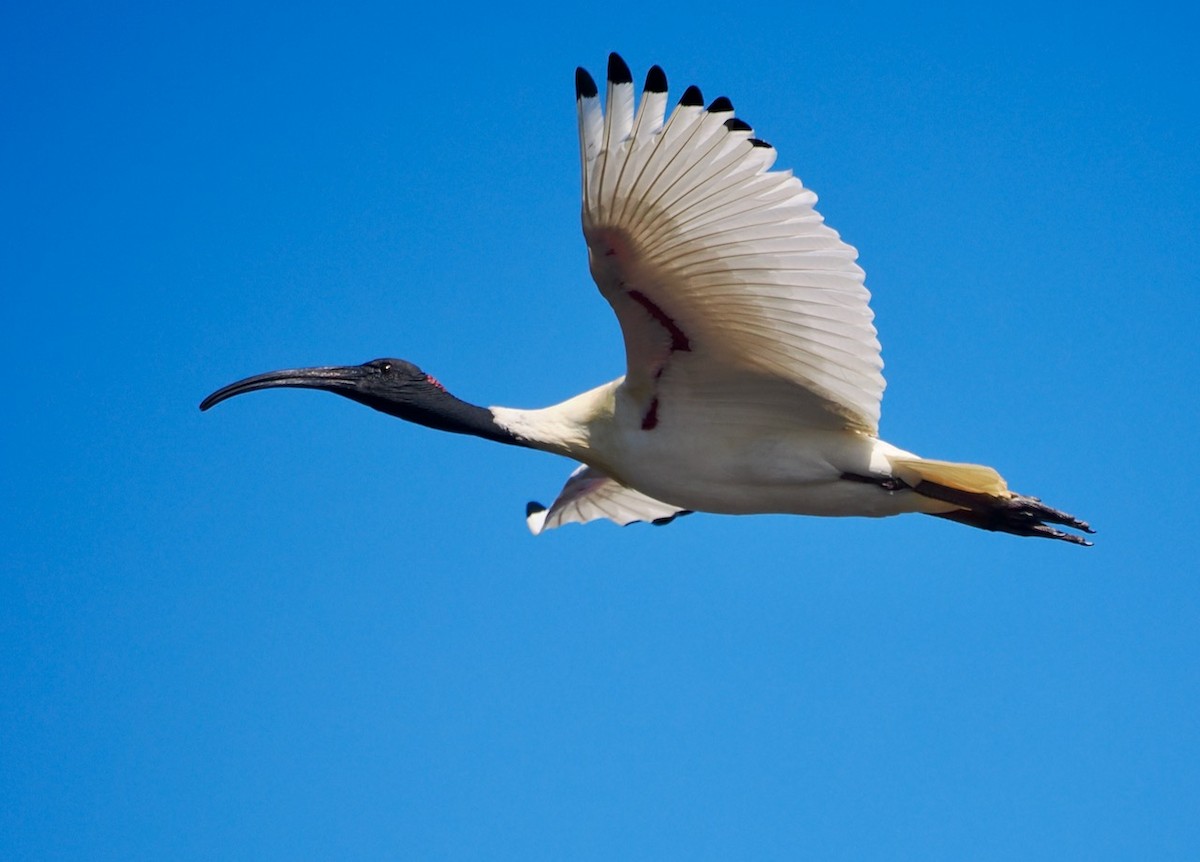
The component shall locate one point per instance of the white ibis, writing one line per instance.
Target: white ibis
(752, 380)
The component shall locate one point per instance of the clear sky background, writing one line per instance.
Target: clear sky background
(293, 628)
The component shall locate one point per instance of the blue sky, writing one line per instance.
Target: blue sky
(296, 629)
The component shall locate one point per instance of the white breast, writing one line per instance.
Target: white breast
(705, 457)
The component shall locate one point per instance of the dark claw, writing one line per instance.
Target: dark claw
(1034, 508)
(1051, 533)
(1021, 516)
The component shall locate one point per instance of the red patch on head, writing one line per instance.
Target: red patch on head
(435, 382)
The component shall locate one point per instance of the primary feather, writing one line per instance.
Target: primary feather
(691, 236)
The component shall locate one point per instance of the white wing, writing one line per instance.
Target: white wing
(709, 258)
(590, 495)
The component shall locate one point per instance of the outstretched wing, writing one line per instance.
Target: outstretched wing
(711, 259)
(590, 495)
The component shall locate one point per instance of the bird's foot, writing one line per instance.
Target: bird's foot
(1029, 516)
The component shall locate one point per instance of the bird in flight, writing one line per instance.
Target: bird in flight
(753, 372)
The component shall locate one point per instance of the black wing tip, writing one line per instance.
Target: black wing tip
(662, 522)
(618, 70)
(720, 105)
(656, 80)
(585, 87)
(759, 142)
(533, 507)
(736, 125)
(692, 98)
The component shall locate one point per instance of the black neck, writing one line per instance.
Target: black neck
(442, 411)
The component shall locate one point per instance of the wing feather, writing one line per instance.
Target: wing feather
(590, 495)
(653, 108)
(618, 124)
(711, 258)
(591, 126)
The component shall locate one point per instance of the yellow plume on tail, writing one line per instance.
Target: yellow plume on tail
(972, 478)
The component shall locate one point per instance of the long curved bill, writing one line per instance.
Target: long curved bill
(329, 378)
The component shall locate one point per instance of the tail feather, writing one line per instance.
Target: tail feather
(974, 478)
(985, 500)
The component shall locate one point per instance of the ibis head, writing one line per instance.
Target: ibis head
(392, 386)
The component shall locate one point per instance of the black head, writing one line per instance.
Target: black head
(384, 384)
(392, 386)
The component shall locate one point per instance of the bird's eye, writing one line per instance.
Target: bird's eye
(385, 367)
